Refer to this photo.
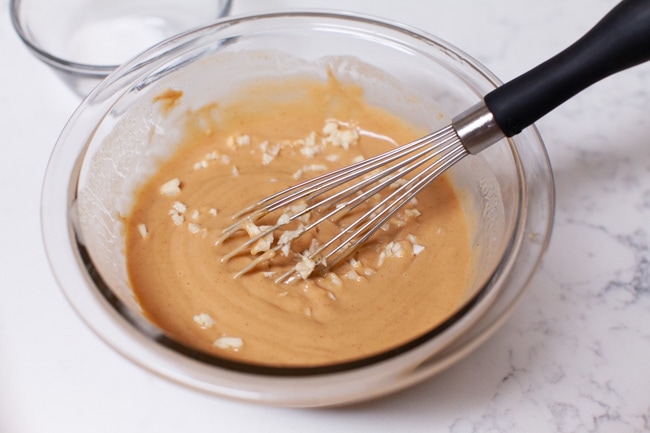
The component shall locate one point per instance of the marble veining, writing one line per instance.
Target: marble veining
(573, 357)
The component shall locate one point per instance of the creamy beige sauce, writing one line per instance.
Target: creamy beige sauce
(236, 153)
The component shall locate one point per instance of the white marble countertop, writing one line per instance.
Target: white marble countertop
(574, 356)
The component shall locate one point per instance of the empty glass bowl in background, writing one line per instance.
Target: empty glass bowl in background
(85, 40)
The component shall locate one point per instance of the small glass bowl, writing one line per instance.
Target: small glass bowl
(84, 41)
(113, 140)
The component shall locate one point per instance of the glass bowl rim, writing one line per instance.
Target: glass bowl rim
(84, 69)
(136, 63)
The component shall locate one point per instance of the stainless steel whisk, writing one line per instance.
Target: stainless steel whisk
(619, 41)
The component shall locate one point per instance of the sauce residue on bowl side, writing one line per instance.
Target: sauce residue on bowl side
(412, 276)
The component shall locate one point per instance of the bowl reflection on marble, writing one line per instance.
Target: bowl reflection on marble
(83, 41)
(507, 191)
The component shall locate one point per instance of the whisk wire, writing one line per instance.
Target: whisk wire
(435, 152)
(373, 219)
(333, 179)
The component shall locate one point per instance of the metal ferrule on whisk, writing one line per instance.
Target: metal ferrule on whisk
(476, 128)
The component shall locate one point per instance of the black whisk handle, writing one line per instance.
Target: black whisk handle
(619, 41)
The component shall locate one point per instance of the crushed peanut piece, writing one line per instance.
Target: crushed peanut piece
(269, 152)
(284, 219)
(212, 156)
(177, 218)
(417, 248)
(305, 267)
(287, 236)
(264, 243)
(339, 137)
(171, 187)
(178, 207)
(352, 275)
(204, 320)
(243, 140)
(412, 213)
(309, 146)
(201, 164)
(225, 342)
(392, 249)
(335, 279)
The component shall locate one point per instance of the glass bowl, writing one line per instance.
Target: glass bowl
(83, 41)
(113, 140)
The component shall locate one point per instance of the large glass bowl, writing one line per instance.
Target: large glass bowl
(113, 140)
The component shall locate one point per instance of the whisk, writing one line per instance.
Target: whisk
(619, 41)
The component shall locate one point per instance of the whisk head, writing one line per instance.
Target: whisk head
(293, 216)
